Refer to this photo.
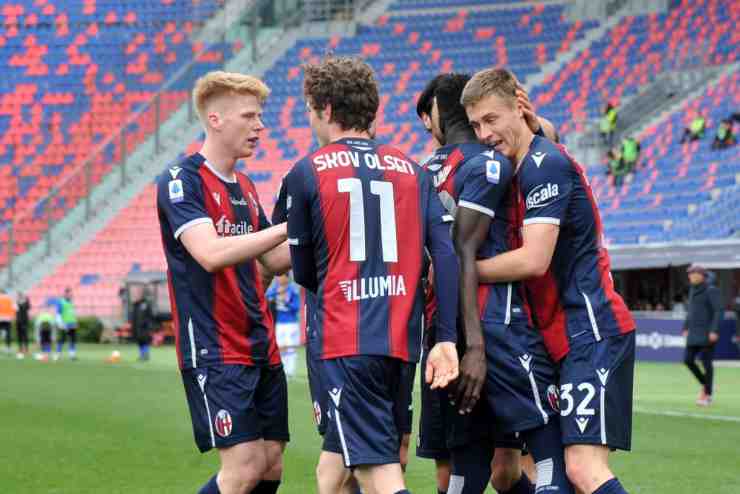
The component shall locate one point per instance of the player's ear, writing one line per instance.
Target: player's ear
(214, 119)
(327, 112)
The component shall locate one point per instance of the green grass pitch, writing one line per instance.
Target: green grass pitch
(93, 427)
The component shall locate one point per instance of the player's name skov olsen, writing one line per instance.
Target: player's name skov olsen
(345, 158)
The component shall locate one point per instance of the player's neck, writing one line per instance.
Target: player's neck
(459, 133)
(336, 134)
(223, 163)
(527, 138)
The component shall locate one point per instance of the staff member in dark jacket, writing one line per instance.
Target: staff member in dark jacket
(142, 323)
(701, 329)
(22, 321)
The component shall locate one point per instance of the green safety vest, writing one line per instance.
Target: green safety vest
(722, 132)
(697, 125)
(68, 311)
(629, 150)
(609, 121)
(45, 317)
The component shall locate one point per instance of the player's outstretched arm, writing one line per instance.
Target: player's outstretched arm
(528, 261)
(214, 253)
(470, 231)
(276, 261)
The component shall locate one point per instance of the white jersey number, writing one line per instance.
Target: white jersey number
(388, 237)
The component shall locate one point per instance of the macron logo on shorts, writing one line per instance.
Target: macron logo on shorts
(582, 423)
(603, 375)
(336, 395)
(526, 361)
(202, 382)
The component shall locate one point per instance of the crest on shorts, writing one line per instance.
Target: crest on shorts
(552, 397)
(223, 423)
(317, 412)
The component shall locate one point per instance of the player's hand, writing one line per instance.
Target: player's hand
(472, 376)
(442, 365)
(713, 338)
(529, 114)
(685, 333)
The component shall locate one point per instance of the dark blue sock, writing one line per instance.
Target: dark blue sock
(611, 487)
(546, 447)
(441, 491)
(266, 487)
(523, 486)
(471, 467)
(59, 347)
(46, 348)
(211, 487)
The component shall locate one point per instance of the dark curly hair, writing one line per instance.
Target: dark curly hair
(348, 85)
(447, 92)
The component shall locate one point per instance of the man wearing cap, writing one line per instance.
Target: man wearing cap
(701, 329)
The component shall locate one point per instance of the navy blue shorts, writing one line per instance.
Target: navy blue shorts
(596, 379)
(431, 441)
(521, 379)
(368, 408)
(232, 404)
(319, 393)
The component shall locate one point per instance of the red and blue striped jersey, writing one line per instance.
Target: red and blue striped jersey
(222, 317)
(366, 212)
(576, 297)
(485, 187)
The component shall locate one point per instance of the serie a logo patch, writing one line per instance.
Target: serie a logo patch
(177, 194)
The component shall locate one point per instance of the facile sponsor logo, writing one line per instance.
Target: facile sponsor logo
(226, 228)
(373, 287)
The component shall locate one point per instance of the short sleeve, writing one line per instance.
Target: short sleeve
(436, 212)
(280, 211)
(180, 198)
(264, 222)
(546, 183)
(298, 207)
(485, 180)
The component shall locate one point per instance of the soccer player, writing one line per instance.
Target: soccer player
(361, 215)
(218, 242)
(287, 299)
(432, 438)
(585, 324)
(67, 324)
(511, 408)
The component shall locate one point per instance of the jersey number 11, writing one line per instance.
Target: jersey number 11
(384, 191)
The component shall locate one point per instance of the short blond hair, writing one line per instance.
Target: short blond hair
(219, 83)
(501, 82)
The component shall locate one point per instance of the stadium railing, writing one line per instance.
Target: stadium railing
(240, 24)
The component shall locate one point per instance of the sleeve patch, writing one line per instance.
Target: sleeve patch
(493, 171)
(177, 193)
(542, 195)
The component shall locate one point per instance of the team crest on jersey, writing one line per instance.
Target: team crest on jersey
(223, 423)
(177, 194)
(317, 412)
(552, 397)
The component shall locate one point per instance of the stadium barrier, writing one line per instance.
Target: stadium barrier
(659, 338)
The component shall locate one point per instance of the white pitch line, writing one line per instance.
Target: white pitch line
(702, 416)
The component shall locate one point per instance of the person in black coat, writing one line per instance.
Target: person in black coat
(701, 329)
(22, 321)
(142, 323)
